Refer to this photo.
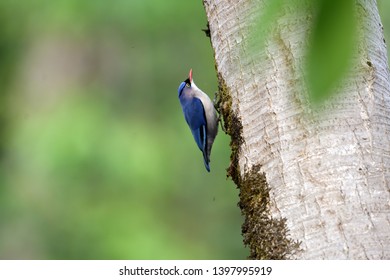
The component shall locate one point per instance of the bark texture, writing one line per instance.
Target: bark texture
(314, 184)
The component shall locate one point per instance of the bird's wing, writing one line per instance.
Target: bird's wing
(196, 119)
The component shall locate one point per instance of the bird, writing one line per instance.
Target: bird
(200, 115)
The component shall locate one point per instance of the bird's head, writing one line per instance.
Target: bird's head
(186, 84)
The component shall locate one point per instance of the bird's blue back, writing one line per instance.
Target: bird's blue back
(200, 115)
(195, 116)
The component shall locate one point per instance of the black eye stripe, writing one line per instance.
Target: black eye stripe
(181, 89)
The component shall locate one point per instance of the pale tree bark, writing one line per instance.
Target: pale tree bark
(314, 184)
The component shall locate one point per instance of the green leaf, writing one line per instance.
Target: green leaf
(331, 47)
(268, 15)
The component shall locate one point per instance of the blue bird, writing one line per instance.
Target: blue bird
(201, 117)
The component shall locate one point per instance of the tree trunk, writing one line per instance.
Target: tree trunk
(314, 183)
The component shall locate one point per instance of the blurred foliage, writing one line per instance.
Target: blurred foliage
(97, 161)
(332, 45)
(332, 41)
(264, 23)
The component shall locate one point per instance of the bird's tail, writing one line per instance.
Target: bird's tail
(206, 160)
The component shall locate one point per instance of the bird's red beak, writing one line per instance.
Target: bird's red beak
(190, 75)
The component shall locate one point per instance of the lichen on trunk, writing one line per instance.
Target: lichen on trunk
(266, 237)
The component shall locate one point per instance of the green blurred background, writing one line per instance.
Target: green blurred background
(96, 161)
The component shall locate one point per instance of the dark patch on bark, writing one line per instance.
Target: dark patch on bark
(232, 126)
(266, 237)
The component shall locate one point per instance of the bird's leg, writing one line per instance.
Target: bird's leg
(217, 105)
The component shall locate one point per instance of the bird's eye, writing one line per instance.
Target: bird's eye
(188, 85)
